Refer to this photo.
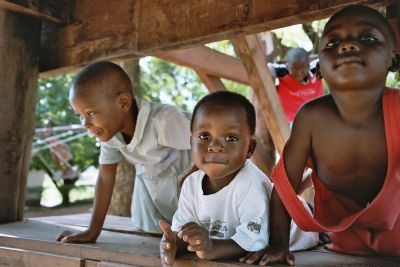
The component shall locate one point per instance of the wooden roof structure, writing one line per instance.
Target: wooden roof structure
(49, 37)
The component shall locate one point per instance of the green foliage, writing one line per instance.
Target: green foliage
(53, 101)
(393, 80)
(165, 82)
(53, 105)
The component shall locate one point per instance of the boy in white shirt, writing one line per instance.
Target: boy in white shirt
(153, 136)
(223, 210)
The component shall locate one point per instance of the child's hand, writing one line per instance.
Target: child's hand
(82, 237)
(269, 255)
(197, 237)
(168, 246)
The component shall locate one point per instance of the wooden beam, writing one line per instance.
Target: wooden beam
(53, 11)
(261, 81)
(25, 257)
(209, 61)
(19, 52)
(107, 29)
(212, 83)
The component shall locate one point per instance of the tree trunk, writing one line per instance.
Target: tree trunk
(122, 194)
(19, 54)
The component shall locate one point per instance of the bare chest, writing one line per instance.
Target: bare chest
(352, 162)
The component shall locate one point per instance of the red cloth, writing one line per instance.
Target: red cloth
(355, 230)
(293, 94)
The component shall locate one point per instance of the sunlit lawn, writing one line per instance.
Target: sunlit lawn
(82, 191)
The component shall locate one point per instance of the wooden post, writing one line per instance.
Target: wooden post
(19, 60)
(212, 83)
(261, 81)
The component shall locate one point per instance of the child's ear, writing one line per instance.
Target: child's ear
(318, 73)
(125, 101)
(395, 66)
(252, 147)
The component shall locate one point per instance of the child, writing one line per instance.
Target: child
(351, 138)
(153, 136)
(296, 83)
(223, 210)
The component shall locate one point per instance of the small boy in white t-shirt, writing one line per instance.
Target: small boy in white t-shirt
(223, 209)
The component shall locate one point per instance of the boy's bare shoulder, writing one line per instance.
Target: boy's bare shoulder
(317, 108)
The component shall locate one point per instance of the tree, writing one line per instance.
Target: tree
(53, 105)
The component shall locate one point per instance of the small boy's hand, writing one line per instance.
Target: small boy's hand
(167, 244)
(269, 255)
(196, 236)
(82, 237)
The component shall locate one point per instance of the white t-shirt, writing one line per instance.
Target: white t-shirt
(239, 211)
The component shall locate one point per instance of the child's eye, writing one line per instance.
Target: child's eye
(333, 43)
(368, 39)
(231, 138)
(203, 137)
(90, 114)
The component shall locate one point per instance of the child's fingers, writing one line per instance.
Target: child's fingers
(197, 246)
(166, 229)
(166, 261)
(63, 235)
(286, 258)
(192, 231)
(165, 244)
(253, 257)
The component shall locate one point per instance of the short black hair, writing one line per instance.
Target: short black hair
(110, 78)
(231, 100)
(361, 9)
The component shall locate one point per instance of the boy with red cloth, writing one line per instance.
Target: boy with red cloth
(351, 138)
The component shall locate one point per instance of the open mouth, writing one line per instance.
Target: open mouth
(97, 133)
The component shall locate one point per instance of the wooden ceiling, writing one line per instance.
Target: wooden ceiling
(77, 32)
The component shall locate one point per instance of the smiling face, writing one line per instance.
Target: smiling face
(356, 51)
(101, 115)
(221, 141)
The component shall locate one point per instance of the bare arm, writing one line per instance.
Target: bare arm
(296, 153)
(103, 193)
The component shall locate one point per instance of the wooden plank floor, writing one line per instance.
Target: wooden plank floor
(32, 243)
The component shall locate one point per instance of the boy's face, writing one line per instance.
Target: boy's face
(355, 52)
(100, 115)
(298, 69)
(221, 141)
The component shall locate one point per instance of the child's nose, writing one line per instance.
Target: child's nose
(85, 123)
(348, 46)
(215, 147)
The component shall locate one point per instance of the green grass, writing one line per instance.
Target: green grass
(51, 196)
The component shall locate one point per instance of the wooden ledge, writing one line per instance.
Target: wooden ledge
(120, 244)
